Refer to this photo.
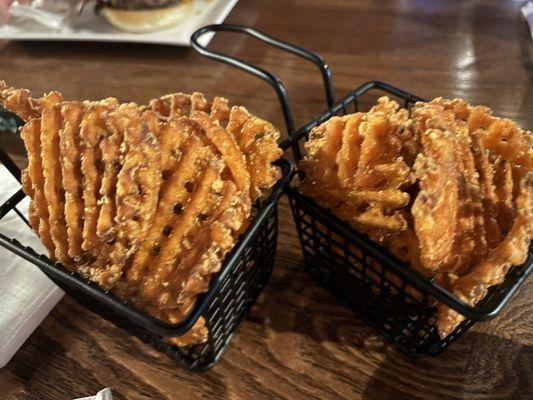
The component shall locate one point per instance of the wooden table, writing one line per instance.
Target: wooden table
(300, 342)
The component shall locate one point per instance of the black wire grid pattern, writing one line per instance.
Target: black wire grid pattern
(226, 309)
(232, 291)
(386, 292)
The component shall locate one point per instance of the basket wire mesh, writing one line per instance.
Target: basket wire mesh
(386, 292)
(232, 291)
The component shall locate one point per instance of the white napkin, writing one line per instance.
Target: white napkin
(104, 394)
(26, 294)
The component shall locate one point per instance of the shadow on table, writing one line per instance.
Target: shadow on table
(294, 303)
(478, 365)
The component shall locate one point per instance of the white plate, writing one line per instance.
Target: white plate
(92, 27)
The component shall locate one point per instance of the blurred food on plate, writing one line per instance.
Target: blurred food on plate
(135, 16)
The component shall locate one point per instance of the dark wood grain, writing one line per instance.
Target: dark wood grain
(299, 342)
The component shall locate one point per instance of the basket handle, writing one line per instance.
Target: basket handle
(267, 76)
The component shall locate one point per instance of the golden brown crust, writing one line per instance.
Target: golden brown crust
(513, 250)
(486, 181)
(51, 122)
(31, 135)
(137, 189)
(461, 230)
(161, 192)
(181, 236)
(435, 209)
(354, 166)
(173, 197)
(71, 113)
(92, 131)
(19, 101)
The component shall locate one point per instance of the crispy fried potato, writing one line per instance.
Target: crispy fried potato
(148, 200)
(355, 167)
(199, 105)
(19, 101)
(513, 250)
(258, 140)
(109, 145)
(348, 156)
(436, 207)
(225, 222)
(137, 190)
(172, 105)
(230, 152)
(71, 113)
(31, 135)
(505, 139)
(220, 110)
(51, 122)
(174, 195)
(92, 131)
(180, 239)
(468, 168)
(505, 207)
(486, 181)
(471, 243)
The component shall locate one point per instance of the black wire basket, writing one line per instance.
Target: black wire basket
(386, 292)
(232, 291)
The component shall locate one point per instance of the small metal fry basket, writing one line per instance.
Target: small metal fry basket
(386, 292)
(232, 291)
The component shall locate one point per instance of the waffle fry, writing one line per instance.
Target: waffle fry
(513, 250)
(220, 111)
(19, 101)
(146, 201)
(227, 219)
(462, 230)
(356, 168)
(137, 190)
(410, 137)
(435, 208)
(348, 155)
(197, 334)
(505, 208)
(237, 118)
(172, 136)
(324, 143)
(258, 140)
(505, 139)
(472, 242)
(479, 118)
(246, 130)
(332, 193)
(51, 122)
(225, 144)
(92, 130)
(182, 234)
(199, 105)
(486, 181)
(33, 216)
(71, 173)
(173, 197)
(31, 135)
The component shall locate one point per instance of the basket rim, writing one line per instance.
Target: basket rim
(477, 313)
(57, 272)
